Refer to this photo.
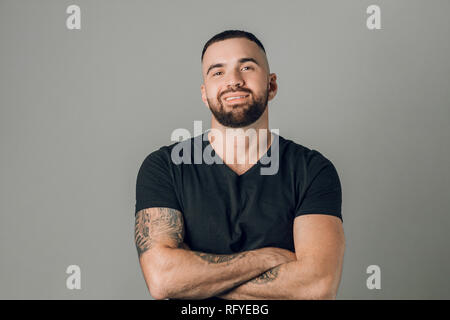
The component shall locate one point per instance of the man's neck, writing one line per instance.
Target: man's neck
(240, 148)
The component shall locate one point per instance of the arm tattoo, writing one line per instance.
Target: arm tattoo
(219, 258)
(267, 276)
(141, 231)
(157, 224)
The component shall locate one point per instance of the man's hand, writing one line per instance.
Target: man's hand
(279, 254)
(185, 246)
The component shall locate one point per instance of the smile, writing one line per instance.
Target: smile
(236, 98)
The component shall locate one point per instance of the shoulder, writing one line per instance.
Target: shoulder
(163, 155)
(301, 155)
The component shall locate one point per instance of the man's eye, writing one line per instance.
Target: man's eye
(216, 73)
(247, 67)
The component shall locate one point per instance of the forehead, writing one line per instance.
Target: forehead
(230, 51)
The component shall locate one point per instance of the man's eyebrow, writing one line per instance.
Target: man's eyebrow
(242, 60)
(216, 65)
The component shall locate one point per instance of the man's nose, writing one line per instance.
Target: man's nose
(234, 79)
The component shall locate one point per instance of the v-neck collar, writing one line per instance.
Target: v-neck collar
(227, 168)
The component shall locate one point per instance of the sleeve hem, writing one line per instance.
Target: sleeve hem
(155, 205)
(320, 211)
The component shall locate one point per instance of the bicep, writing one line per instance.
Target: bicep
(158, 227)
(319, 244)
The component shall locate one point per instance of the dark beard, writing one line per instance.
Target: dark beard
(250, 115)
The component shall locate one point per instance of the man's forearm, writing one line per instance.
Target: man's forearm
(185, 274)
(285, 282)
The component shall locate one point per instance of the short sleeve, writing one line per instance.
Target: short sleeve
(321, 191)
(154, 183)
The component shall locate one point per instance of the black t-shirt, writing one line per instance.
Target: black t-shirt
(225, 212)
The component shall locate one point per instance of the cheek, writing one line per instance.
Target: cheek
(211, 91)
(256, 83)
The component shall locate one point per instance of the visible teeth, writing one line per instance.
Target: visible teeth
(235, 98)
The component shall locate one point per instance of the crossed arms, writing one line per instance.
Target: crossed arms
(172, 270)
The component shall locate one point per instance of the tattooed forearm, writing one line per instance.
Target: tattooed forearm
(219, 258)
(158, 224)
(267, 276)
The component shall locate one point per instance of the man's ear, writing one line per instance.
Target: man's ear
(203, 91)
(273, 86)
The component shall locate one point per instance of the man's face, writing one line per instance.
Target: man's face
(237, 84)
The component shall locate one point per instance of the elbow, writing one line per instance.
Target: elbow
(157, 276)
(325, 294)
(158, 293)
(324, 289)
(158, 287)
(321, 289)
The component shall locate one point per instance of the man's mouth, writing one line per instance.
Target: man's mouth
(236, 98)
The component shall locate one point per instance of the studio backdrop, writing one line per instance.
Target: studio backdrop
(89, 88)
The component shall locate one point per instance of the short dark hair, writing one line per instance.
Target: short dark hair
(230, 34)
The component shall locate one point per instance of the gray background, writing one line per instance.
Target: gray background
(81, 109)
